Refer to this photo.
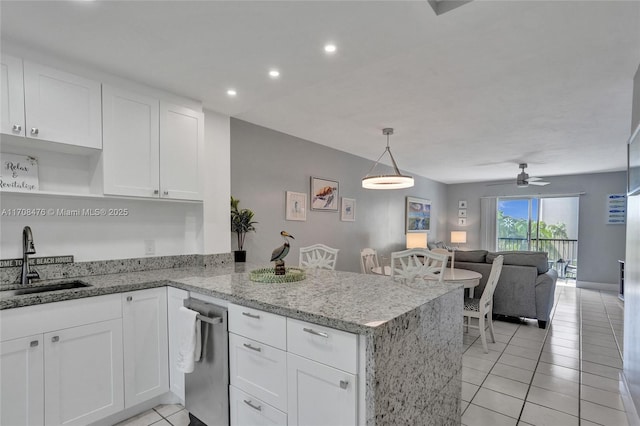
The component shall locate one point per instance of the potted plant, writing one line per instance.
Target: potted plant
(241, 223)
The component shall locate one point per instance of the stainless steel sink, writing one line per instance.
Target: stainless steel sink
(65, 285)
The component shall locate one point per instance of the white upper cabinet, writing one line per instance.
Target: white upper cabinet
(131, 151)
(62, 107)
(12, 94)
(181, 152)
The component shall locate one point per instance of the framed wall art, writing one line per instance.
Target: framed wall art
(462, 212)
(462, 204)
(324, 194)
(296, 206)
(348, 210)
(418, 215)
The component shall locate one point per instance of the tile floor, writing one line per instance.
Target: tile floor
(563, 376)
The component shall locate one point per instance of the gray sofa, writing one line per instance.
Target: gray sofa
(526, 286)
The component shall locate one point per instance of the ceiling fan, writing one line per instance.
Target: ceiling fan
(523, 180)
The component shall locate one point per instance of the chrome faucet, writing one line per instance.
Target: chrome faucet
(27, 249)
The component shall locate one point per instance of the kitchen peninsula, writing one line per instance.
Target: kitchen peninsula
(409, 336)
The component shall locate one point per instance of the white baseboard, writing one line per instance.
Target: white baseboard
(597, 286)
(627, 400)
(166, 398)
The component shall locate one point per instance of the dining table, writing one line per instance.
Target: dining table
(469, 279)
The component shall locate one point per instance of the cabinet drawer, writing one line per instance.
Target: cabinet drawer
(329, 346)
(248, 410)
(258, 369)
(258, 325)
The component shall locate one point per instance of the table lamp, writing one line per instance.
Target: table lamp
(417, 240)
(458, 237)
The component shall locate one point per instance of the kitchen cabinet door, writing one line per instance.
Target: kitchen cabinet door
(22, 393)
(146, 358)
(12, 96)
(62, 107)
(175, 300)
(83, 373)
(319, 394)
(131, 144)
(181, 152)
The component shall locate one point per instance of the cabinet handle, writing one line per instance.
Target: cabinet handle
(34, 131)
(129, 298)
(55, 339)
(156, 192)
(253, 348)
(255, 407)
(344, 384)
(316, 333)
(165, 193)
(34, 343)
(17, 127)
(250, 315)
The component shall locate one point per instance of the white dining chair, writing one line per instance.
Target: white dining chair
(483, 307)
(318, 256)
(368, 260)
(422, 263)
(449, 254)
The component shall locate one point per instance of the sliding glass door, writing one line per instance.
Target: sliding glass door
(541, 224)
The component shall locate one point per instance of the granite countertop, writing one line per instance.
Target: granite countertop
(344, 300)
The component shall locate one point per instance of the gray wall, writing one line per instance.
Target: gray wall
(266, 163)
(632, 281)
(599, 245)
(635, 109)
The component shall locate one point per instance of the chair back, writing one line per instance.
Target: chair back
(412, 263)
(445, 252)
(318, 256)
(368, 260)
(487, 295)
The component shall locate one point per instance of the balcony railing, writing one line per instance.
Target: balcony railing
(561, 252)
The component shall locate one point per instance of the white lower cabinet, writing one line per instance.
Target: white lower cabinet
(175, 300)
(146, 358)
(22, 392)
(247, 410)
(83, 373)
(319, 394)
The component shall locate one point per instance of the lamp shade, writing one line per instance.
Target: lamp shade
(459, 237)
(417, 240)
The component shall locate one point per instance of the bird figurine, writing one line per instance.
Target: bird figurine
(281, 252)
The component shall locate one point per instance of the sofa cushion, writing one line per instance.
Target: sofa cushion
(477, 256)
(537, 259)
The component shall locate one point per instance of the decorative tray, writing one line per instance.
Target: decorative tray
(268, 275)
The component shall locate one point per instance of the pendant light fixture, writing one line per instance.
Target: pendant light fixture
(392, 181)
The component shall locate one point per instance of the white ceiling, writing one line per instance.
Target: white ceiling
(470, 93)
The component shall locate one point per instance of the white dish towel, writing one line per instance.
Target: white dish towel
(190, 343)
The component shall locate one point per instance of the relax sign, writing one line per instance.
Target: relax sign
(19, 173)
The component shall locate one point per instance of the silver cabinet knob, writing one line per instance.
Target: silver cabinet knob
(34, 131)
(34, 343)
(55, 339)
(156, 192)
(17, 128)
(344, 384)
(165, 193)
(129, 298)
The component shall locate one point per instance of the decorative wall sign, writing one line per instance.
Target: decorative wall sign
(462, 204)
(348, 211)
(296, 206)
(19, 173)
(324, 194)
(616, 209)
(418, 215)
(462, 212)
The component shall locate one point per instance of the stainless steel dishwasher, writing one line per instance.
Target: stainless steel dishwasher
(207, 387)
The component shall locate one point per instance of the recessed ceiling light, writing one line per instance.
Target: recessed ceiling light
(231, 92)
(274, 73)
(330, 48)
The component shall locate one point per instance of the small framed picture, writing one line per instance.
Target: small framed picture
(296, 206)
(348, 211)
(324, 194)
(462, 221)
(462, 212)
(462, 204)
